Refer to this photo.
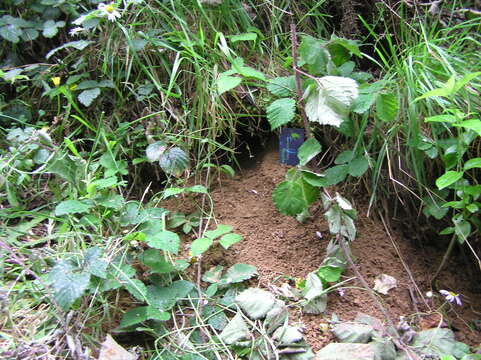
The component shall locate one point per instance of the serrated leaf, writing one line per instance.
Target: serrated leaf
(142, 313)
(334, 351)
(164, 298)
(11, 33)
(353, 332)
(155, 150)
(72, 207)
(308, 150)
(336, 174)
(358, 166)
(86, 97)
(282, 86)
(330, 273)
(293, 197)
(238, 273)
(288, 335)
(221, 229)
(226, 83)
(174, 161)
(255, 302)
(227, 240)
(315, 298)
(68, 283)
(249, 72)
(136, 288)
(213, 275)
(199, 246)
(280, 112)
(94, 263)
(235, 331)
(330, 102)
(448, 178)
(439, 341)
(164, 240)
(387, 107)
(156, 262)
(344, 158)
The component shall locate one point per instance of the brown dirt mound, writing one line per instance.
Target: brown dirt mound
(280, 246)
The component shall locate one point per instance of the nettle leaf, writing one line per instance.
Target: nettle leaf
(219, 230)
(156, 262)
(387, 107)
(255, 302)
(174, 161)
(345, 157)
(154, 151)
(330, 102)
(164, 298)
(294, 195)
(162, 240)
(316, 298)
(282, 86)
(86, 97)
(226, 83)
(68, 283)
(308, 150)
(336, 174)
(448, 178)
(94, 263)
(142, 313)
(72, 207)
(280, 112)
(235, 331)
(228, 240)
(358, 166)
(199, 246)
(238, 273)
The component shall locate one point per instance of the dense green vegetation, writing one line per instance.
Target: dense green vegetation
(111, 114)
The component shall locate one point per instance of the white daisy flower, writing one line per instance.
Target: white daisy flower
(76, 30)
(109, 11)
(451, 296)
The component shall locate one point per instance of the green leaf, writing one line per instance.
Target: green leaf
(472, 163)
(314, 179)
(293, 196)
(174, 161)
(235, 331)
(315, 297)
(68, 283)
(198, 189)
(364, 102)
(387, 107)
(154, 151)
(94, 263)
(462, 229)
(472, 124)
(280, 112)
(344, 158)
(199, 246)
(442, 118)
(353, 332)
(11, 33)
(330, 102)
(136, 288)
(172, 191)
(336, 174)
(238, 273)
(164, 298)
(50, 28)
(228, 240)
(213, 275)
(72, 207)
(282, 86)
(358, 166)
(226, 83)
(79, 45)
(464, 80)
(86, 97)
(156, 262)
(308, 150)
(448, 178)
(255, 302)
(251, 36)
(249, 72)
(142, 313)
(221, 229)
(164, 240)
(330, 273)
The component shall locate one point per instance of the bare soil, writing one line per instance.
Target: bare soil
(280, 246)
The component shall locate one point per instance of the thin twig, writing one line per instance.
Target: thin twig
(297, 76)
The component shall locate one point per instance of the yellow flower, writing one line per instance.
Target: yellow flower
(73, 87)
(56, 80)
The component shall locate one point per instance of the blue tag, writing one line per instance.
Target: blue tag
(290, 139)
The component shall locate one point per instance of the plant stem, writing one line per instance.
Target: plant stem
(443, 261)
(298, 80)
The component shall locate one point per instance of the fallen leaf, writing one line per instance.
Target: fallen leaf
(383, 283)
(110, 350)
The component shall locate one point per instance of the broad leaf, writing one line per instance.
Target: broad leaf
(213, 275)
(334, 175)
(68, 283)
(387, 107)
(94, 263)
(448, 178)
(164, 298)
(235, 331)
(308, 150)
(330, 273)
(238, 273)
(315, 297)
(353, 332)
(86, 97)
(282, 86)
(226, 83)
(330, 102)
(199, 246)
(140, 314)
(255, 302)
(280, 112)
(228, 240)
(221, 229)
(293, 196)
(472, 163)
(472, 124)
(358, 166)
(154, 151)
(164, 240)
(334, 351)
(156, 262)
(72, 207)
(174, 161)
